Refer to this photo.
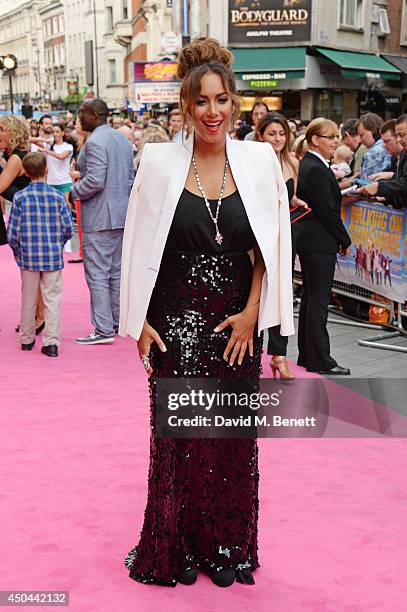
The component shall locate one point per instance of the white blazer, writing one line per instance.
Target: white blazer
(157, 188)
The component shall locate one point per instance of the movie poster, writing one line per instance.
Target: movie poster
(260, 22)
(379, 255)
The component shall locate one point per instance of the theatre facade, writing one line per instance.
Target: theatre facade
(311, 58)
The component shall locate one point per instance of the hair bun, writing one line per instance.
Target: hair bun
(202, 51)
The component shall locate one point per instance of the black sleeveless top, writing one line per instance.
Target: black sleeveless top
(193, 230)
(20, 182)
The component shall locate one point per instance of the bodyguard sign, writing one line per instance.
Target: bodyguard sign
(269, 21)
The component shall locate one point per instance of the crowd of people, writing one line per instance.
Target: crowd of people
(367, 151)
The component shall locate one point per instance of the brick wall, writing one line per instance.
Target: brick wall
(391, 43)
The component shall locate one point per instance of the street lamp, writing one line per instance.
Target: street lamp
(8, 63)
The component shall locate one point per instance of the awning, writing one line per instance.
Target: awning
(398, 61)
(269, 63)
(362, 65)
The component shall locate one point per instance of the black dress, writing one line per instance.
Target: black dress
(19, 183)
(202, 503)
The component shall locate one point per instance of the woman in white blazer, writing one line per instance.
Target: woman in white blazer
(197, 303)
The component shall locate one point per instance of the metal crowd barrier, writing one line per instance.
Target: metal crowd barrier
(375, 341)
(364, 295)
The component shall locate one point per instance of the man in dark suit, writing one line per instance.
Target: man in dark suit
(320, 236)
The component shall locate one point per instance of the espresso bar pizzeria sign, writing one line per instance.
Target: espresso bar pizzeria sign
(269, 21)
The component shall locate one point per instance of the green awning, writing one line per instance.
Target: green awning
(362, 65)
(277, 63)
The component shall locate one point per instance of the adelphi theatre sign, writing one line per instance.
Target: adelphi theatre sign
(269, 21)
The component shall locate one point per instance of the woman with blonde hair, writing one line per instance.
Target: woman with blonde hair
(153, 133)
(15, 144)
(196, 303)
(319, 237)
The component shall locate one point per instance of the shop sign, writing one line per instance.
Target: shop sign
(154, 93)
(392, 100)
(258, 22)
(145, 72)
(373, 75)
(266, 84)
(262, 76)
(72, 87)
(171, 42)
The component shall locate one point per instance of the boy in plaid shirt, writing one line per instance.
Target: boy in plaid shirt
(40, 224)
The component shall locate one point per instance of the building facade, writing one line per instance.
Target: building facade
(21, 35)
(117, 45)
(60, 41)
(53, 32)
(315, 57)
(304, 57)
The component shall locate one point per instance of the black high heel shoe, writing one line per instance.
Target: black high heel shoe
(223, 578)
(188, 576)
(244, 576)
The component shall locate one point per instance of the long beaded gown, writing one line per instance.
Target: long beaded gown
(202, 505)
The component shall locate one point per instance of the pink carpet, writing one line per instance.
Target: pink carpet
(74, 440)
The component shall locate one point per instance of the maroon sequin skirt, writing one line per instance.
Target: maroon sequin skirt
(202, 505)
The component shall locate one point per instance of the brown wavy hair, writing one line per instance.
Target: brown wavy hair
(274, 117)
(200, 57)
(19, 132)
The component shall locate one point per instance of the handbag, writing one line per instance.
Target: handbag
(298, 213)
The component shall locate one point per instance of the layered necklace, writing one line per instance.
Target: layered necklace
(215, 218)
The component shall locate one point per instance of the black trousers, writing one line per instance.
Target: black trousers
(317, 271)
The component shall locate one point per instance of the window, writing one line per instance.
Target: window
(62, 52)
(112, 70)
(329, 104)
(125, 10)
(55, 25)
(384, 26)
(109, 19)
(350, 13)
(61, 23)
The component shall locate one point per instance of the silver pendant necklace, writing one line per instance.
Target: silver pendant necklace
(218, 235)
